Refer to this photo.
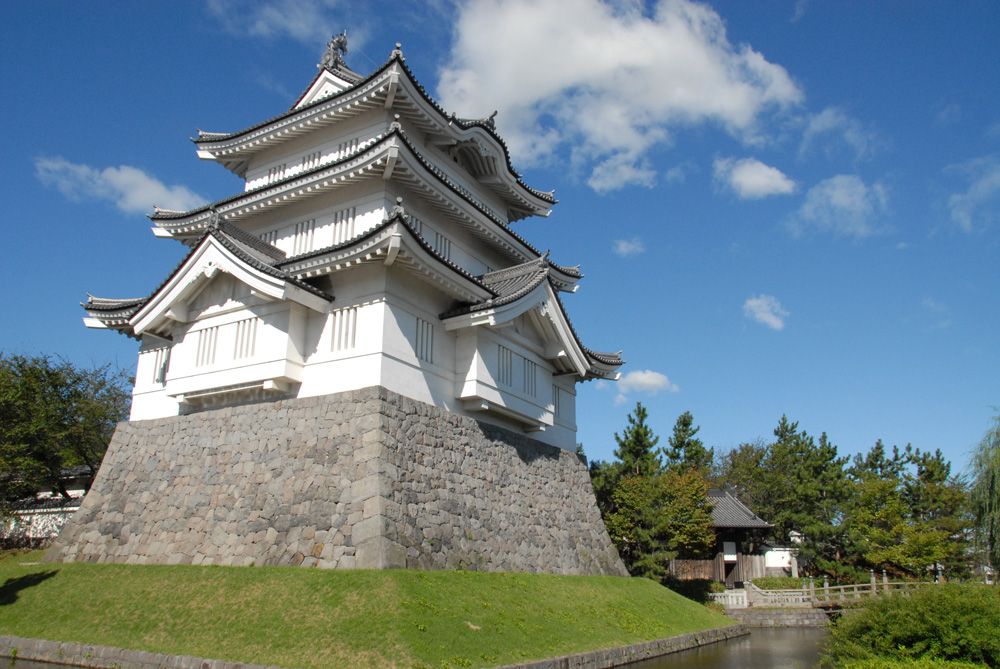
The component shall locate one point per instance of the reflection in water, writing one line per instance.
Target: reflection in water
(775, 648)
(770, 648)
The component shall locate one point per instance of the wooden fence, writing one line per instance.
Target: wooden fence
(746, 568)
(811, 595)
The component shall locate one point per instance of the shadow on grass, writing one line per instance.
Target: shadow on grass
(12, 587)
(696, 589)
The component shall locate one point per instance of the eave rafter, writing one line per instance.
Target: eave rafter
(394, 87)
(168, 303)
(394, 243)
(237, 148)
(391, 154)
(542, 308)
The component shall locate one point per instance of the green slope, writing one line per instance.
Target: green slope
(294, 617)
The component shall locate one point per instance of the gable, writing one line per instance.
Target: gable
(324, 85)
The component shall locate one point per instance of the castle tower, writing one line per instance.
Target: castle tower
(370, 261)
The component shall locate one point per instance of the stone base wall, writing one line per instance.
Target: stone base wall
(362, 479)
(780, 617)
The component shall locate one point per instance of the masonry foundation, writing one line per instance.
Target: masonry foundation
(364, 479)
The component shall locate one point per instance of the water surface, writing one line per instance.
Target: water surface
(769, 648)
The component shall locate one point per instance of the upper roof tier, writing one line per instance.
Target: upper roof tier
(337, 94)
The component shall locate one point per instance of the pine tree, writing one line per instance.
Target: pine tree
(637, 446)
(685, 450)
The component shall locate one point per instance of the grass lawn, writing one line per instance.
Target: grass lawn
(295, 617)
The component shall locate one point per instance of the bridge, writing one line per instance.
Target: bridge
(810, 595)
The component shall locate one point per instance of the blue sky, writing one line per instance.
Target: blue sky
(790, 207)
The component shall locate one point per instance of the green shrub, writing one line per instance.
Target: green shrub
(925, 663)
(779, 583)
(947, 622)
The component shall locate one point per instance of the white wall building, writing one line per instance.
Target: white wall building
(371, 246)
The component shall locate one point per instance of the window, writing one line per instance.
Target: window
(310, 161)
(505, 366)
(417, 224)
(246, 339)
(207, 340)
(276, 173)
(343, 225)
(304, 236)
(442, 245)
(557, 401)
(424, 347)
(161, 360)
(344, 149)
(530, 378)
(270, 237)
(344, 328)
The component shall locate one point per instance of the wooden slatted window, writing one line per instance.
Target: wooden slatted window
(246, 339)
(343, 225)
(530, 378)
(425, 341)
(161, 360)
(305, 234)
(344, 328)
(442, 245)
(505, 366)
(310, 161)
(345, 149)
(207, 339)
(276, 173)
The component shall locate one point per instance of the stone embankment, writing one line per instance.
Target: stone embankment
(109, 657)
(362, 479)
(765, 617)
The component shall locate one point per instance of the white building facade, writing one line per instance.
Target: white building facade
(371, 247)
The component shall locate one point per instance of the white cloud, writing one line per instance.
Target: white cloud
(766, 310)
(835, 129)
(675, 175)
(128, 188)
(307, 21)
(979, 206)
(646, 381)
(751, 179)
(842, 205)
(628, 247)
(600, 84)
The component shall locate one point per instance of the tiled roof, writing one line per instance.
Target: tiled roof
(508, 285)
(486, 124)
(163, 214)
(254, 252)
(110, 304)
(612, 359)
(394, 218)
(731, 512)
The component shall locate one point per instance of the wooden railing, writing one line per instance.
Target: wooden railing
(811, 595)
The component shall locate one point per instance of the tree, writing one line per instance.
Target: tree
(908, 513)
(685, 450)
(655, 519)
(637, 446)
(985, 493)
(652, 514)
(55, 415)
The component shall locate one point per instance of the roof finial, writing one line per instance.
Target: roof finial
(395, 125)
(397, 52)
(337, 45)
(214, 220)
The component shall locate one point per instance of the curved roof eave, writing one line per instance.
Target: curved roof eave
(540, 200)
(199, 217)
